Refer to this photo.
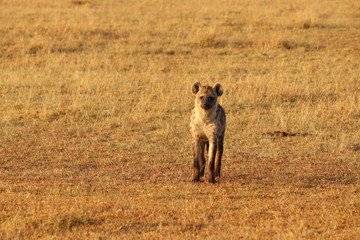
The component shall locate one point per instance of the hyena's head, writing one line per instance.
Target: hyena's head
(206, 96)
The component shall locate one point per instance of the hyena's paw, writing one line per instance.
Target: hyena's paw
(212, 181)
(196, 179)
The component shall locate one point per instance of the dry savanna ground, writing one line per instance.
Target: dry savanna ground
(95, 102)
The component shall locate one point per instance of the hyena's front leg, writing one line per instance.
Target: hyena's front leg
(202, 158)
(219, 154)
(211, 161)
(197, 160)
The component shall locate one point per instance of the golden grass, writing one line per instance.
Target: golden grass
(95, 103)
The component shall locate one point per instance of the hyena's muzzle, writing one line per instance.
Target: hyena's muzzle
(207, 102)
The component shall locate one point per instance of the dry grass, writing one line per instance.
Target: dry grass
(95, 102)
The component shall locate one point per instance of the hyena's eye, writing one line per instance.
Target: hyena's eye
(201, 97)
(211, 98)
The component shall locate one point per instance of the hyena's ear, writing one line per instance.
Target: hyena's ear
(218, 89)
(195, 88)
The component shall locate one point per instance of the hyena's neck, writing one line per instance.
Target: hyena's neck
(206, 114)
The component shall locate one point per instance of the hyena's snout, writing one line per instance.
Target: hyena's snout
(207, 102)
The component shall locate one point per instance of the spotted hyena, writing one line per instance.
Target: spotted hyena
(207, 126)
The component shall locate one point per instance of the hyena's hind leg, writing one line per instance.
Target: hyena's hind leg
(219, 154)
(205, 148)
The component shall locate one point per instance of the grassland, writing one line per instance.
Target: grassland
(95, 101)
